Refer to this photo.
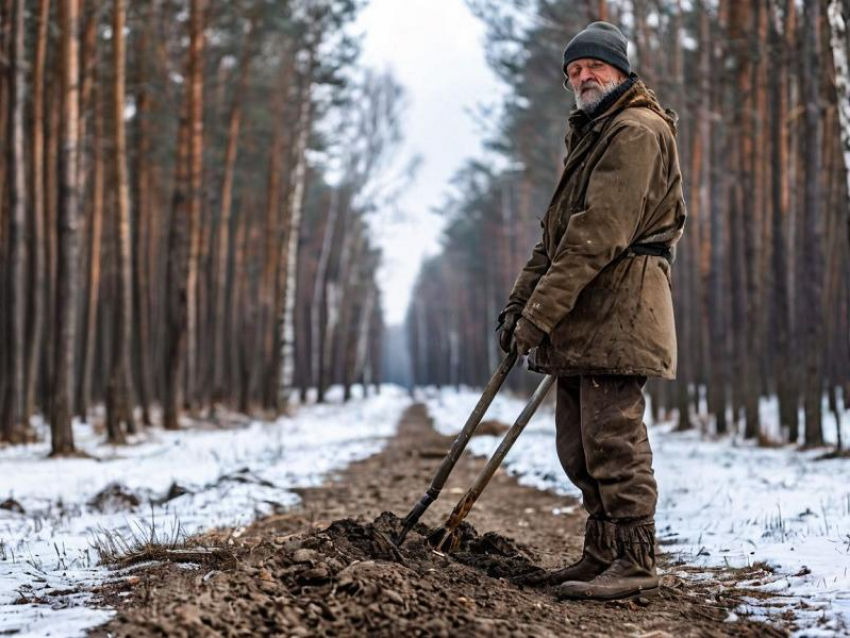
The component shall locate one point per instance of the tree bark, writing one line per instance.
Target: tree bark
(286, 320)
(195, 183)
(38, 279)
(142, 223)
(62, 441)
(781, 327)
(118, 406)
(839, 16)
(224, 246)
(14, 408)
(318, 308)
(89, 333)
(51, 239)
(813, 227)
(176, 290)
(718, 323)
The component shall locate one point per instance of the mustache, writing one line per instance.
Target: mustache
(589, 84)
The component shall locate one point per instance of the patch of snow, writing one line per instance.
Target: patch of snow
(722, 503)
(231, 477)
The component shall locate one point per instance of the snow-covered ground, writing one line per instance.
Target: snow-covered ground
(722, 503)
(231, 476)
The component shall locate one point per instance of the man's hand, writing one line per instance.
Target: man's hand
(507, 324)
(527, 336)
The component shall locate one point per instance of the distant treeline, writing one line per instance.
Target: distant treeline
(761, 282)
(168, 233)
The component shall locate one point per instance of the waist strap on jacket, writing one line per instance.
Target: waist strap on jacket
(652, 249)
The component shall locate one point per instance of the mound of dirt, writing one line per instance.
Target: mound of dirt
(12, 505)
(115, 497)
(350, 578)
(329, 568)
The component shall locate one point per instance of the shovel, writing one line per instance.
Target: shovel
(459, 445)
(446, 538)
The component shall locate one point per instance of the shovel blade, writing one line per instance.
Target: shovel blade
(444, 540)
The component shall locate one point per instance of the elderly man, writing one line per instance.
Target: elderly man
(593, 306)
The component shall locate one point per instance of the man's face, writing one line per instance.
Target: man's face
(591, 80)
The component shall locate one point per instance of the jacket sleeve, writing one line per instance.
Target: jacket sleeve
(616, 200)
(534, 269)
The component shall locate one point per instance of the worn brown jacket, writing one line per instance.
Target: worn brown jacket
(606, 310)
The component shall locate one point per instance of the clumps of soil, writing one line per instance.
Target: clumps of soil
(11, 505)
(297, 574)
(834, 454)
(115, 497)
(491, 428)
(174, 491)
(349, 578)
(495, 555)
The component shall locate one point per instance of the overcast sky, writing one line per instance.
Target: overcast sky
(435, 49)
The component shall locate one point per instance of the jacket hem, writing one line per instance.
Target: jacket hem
(574, 371)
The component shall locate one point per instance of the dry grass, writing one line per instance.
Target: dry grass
(144, 544)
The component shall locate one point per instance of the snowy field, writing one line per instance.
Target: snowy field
(185, 482)
(722, 503)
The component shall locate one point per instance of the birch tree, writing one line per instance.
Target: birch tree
(839, 17)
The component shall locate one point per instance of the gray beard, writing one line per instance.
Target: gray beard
(593, 99)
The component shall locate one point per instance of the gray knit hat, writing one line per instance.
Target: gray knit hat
(601, 41)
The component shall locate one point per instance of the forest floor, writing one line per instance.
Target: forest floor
(326, 567)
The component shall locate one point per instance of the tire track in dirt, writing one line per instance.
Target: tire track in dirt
(312, 571)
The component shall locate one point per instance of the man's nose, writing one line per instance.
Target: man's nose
(586, 75)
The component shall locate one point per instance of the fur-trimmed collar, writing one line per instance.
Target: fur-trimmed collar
(635, 95)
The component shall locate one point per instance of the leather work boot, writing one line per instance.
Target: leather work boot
(600, 550)
(631, 574)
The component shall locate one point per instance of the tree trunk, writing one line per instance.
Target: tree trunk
(286, 321)
(718, 323)
(273, 238)
(224, 248)
(95, 225)
(237, 380)
(813, 228)
(14, 407)
(781, 328)
(318, 307)
(38, 279)
(51, 202)
(142, 224)
(362, 339)
(176, 290)
(839, 16)
(68, 244)
(118, 407)
(196, 135)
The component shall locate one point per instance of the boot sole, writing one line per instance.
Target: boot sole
(620, 595)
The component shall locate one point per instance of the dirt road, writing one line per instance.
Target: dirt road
(326, 568)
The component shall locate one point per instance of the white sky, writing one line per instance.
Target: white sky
(435, 48)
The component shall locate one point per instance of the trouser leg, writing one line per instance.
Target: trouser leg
(616, 447)
(569, 444)
(619, 459)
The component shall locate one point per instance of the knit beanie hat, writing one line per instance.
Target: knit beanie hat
(601, 41)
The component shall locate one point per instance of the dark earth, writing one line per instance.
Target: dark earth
(329, 568)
